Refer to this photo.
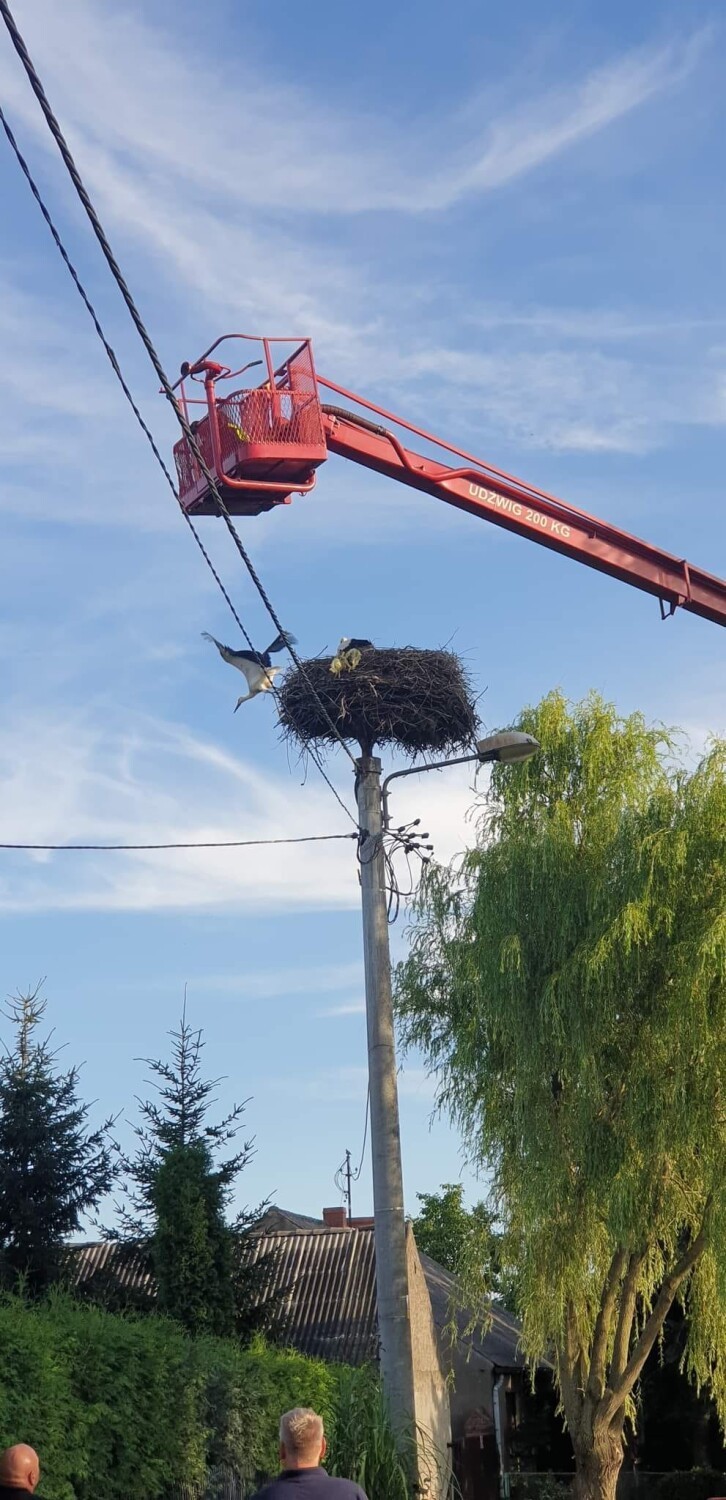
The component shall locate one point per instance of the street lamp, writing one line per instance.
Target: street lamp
(510, 746)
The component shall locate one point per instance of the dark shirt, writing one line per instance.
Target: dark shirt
(309, 1484)
(13, 1492)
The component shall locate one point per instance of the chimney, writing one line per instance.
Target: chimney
(335, 1218)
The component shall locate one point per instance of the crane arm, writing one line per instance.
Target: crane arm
(519, 507)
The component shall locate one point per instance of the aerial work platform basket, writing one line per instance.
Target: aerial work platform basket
(263, 443)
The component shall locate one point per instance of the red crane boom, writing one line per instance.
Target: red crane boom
(265, 444)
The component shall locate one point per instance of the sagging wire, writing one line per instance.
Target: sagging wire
(56, 132)
(115, 366)
(310, 838)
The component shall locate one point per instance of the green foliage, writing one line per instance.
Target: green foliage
(282, 1379)
(192, 1248)
(568, 983)
(108, 1402)
(465, 1242)
(178, 1118)
(53, 1168)
(363, 1447)
(444, 1225)
(177, 1195)
(120, 1406)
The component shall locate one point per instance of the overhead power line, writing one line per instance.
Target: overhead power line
(312, 838)
(103, 241)
(115, 366)
(113, 360)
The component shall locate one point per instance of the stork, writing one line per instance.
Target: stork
(348, 655)
(255, 666)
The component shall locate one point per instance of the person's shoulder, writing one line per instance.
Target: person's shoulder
(269, 1491)
(344, 1489)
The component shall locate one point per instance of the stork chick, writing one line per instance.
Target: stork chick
(255, 666)
(348, 655)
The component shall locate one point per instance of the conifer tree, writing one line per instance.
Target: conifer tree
(178, 1194)
(53, 1167)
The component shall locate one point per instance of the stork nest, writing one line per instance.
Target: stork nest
(419, 701)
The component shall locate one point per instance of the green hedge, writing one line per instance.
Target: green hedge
(129, 1406)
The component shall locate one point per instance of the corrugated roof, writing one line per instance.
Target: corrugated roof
(110, 1261)
(275, 1218)
(499, 1345)
(320, 1286)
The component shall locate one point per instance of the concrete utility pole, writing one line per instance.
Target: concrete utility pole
(390, 1225)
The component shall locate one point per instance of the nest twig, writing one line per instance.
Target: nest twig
(418, 701)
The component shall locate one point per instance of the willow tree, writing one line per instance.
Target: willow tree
(567, 983)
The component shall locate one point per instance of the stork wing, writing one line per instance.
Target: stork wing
(285, 638)
(247, 662)
(251, 670)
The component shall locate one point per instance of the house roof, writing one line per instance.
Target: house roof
(320, 1285)
(498, 1345)
(275, 1218)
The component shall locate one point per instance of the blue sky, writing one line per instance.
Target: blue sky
(505, 225)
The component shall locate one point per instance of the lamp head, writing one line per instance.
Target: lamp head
(509, 746)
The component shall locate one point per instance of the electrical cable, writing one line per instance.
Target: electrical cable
(110, 352)
(56, 132)
(312, 838)
(113, 360)
(356, 1175)
(389, 842)
(344, 1170)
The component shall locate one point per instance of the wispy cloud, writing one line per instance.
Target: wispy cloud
(528, 137)
(98, 60)
(165, 183)
(71, 778)
(151, 782)
(168, 178)
(599, 325)
(317, 979)
(334, 1085)
(349, 1008)
(66, 435)
(548, 394)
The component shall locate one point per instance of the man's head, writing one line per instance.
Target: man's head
(302, 1440)
(19, 1468)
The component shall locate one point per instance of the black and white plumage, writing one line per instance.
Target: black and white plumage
(353, 643)
(255, 666)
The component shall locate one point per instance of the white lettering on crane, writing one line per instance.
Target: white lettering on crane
(513, 508)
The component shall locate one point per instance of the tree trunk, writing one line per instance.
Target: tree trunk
(597, 1469)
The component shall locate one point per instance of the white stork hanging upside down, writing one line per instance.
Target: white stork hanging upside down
(255, 666)
(348, 655)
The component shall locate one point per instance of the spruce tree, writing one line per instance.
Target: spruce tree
(178, 1194)
(53, 1167)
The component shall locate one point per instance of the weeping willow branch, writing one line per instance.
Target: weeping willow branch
(624, 1330)
(603, 1326)
(622, 1388)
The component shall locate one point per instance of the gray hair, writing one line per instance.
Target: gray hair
(301, 1431)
